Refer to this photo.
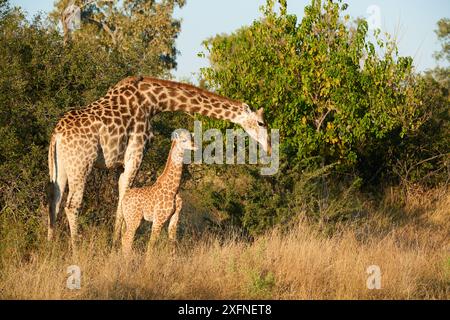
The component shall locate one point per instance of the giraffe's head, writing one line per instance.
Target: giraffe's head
(254, 124)
(182, 140)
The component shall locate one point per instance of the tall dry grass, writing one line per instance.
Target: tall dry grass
(302, 263)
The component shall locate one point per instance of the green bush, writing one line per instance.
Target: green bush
(333, 96)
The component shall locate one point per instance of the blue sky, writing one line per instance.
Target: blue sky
(412, 22)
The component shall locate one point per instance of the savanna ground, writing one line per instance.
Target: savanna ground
(410, 244)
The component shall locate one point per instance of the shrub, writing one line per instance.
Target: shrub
(332, 94)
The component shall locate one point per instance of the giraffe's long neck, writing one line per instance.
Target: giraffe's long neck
(171, 176)
(172, 96)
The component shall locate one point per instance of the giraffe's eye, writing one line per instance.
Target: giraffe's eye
(261, 124)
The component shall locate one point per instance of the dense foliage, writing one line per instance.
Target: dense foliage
(353, 115)
(334, 95)
(141, 33)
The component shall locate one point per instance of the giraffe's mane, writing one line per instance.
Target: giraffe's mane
(179, 85)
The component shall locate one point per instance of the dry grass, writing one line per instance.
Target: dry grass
(299, 264)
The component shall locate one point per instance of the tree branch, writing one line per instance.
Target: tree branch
(104, 26)
(320, 121)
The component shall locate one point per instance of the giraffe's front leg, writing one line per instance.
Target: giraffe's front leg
(132, 164)
(132, 222)
(173, 224)
(156, 231)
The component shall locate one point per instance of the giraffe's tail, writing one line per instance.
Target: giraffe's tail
(56, 186)
(51, 159)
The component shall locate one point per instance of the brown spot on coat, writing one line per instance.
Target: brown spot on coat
(195, 109)
(157, 90)
(144, 86)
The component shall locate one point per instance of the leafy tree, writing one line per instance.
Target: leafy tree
(321, 82)
(142, 33)
(424, 157)
(443, 33)
(345, 107)
(4, 8)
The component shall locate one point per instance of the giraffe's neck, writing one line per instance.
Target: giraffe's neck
(172, 96)
(171, 176)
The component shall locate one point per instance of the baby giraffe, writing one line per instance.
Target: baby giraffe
(159, 202)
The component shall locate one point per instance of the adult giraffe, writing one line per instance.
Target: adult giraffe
(113, 131)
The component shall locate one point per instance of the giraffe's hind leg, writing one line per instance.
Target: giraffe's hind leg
(77, 182)
(73, 207)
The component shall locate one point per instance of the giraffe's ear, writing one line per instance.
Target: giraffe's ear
(260, 112)
(175, 135)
